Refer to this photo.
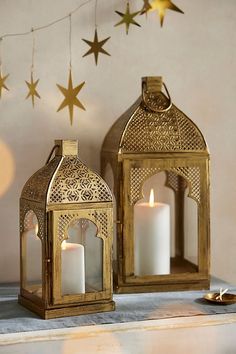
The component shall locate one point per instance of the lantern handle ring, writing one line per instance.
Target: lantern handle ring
(51, 153)
(145, 91)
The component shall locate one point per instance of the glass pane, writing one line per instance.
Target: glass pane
(165, 227)
(33, 255)
(81, 261)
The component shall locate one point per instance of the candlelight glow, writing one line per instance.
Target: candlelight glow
(36, 228)
(151, 198)
(63, 245)
(7, 168)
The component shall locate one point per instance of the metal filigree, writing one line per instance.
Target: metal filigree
(76, 183)
(29, 207)
(141, 129)
(99, 218)
(36, 187)
(138, 175)
(169, 131)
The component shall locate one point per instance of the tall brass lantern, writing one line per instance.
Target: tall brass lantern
(154, 148)
(66, 226)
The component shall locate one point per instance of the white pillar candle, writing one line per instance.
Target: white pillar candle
(152, 237)
(72, 268)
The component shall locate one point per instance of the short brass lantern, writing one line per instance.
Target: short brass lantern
(157, 163)
(66, 226)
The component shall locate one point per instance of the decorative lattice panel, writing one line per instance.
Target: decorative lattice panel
(26, 212)
(138, 175)
(192, 175)
(148, 131)
(99, 218)
(175, 181)
(75, 183)
(37, 186)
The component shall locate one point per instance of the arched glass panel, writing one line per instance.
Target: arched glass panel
(82, 259)
(165, 227)
(32, 261)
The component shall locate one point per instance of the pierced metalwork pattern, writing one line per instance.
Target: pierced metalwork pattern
(30, 207)
(99, 218)
(75, 183)
(192, 175)
(140, 174)
(148, 131)
(137, 177)
(175, 182)
(102, 221)
(64, 221)
(36, 187)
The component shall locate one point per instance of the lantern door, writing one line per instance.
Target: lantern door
(81, 255)
(166, 219)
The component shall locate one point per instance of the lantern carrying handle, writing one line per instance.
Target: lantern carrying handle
(145, 91)
(51, 153)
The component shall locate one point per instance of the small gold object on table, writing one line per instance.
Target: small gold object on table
(66, 226)
(162, 243)
(222, 297)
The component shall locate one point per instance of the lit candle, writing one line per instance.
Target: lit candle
(72, 268)
(152, 237)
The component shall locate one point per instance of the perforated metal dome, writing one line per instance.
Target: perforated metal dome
(66, 179)
(141, 130)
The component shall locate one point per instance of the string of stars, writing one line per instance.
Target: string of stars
(128, 18)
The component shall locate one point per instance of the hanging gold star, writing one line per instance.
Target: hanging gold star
(96, 46)
(128, 18)
(2, 83)
(71, 99)
(162, 6)
(32, 89)
(146, 7)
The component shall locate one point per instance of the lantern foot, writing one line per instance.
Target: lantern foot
(54, 312)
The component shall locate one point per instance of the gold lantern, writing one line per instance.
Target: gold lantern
(154, 149)
(66, 226)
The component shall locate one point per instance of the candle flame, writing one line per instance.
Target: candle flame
(151, 198)
(63, 245)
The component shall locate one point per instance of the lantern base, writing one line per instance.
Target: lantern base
(164, 287)
(66, 311)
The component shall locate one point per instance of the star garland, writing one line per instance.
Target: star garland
(96, 46)
(2, 83)
(32, 84)
(161, 6)
(71, 92)
(32, 88)
(146, 7)
(127, 18)
(70, 95)
(3, 78)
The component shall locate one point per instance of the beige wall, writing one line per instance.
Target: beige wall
(196, 55)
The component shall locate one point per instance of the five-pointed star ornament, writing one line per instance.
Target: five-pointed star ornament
(162, 6)
(96, 46)
(71, 99)
(128, 18)
(146, 7)
(32, 88)
(2, 83)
